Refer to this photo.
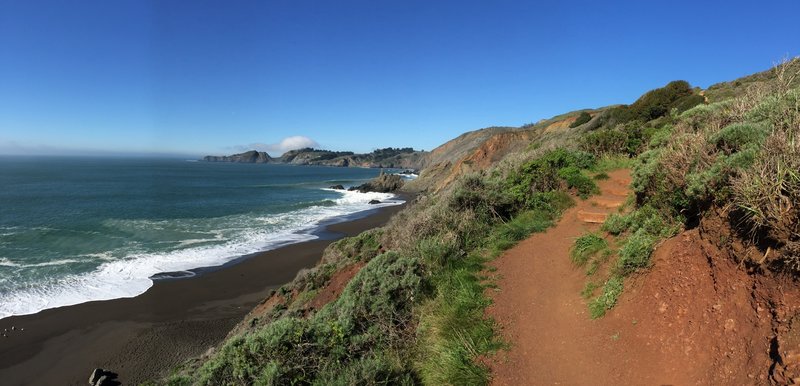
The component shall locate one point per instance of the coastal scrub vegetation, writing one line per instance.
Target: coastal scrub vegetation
(582, 118)
(415, 312)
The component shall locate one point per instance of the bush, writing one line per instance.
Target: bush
(363, 247)
(376, 368)
(575, 179)
(582, 118)
(636, 252)
(604, 141)
(587, 246)
(541, 175)
(615, 224)
(483, 197)
(677, 95)
(740, 136)
(782, 112)
(439, 250)
(769, 191)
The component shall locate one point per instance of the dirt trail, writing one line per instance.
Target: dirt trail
(541, 313)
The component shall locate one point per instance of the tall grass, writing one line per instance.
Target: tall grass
(587, 246)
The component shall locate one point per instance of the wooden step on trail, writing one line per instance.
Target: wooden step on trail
(592, 217)
(608, 202)
(616, 191)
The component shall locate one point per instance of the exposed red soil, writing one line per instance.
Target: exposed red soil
(335, 286)
(695, 318)
(488, 153)
(328, 293)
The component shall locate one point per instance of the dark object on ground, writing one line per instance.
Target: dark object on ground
(373, 202)
(100, 377)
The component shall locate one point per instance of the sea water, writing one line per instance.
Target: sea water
(74, 230)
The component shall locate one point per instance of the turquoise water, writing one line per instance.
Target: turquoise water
(79, 229)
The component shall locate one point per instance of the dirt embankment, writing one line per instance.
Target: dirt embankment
(696, 317)
(480, 149)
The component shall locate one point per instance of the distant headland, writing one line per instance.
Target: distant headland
(406, 158)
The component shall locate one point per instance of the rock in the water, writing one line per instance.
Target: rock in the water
(383, 183)
(373, 202)
(104, 380)
(337, 187)
(95, 376)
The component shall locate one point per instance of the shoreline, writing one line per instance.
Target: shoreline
(144, 337)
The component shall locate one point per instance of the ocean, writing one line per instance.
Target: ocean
(76, 229)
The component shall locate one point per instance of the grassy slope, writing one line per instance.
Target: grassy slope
(414, 313)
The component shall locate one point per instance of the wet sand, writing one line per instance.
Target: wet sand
(144, 337)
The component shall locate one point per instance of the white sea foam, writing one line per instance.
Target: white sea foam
(7, 263)
(131, 276)
(407, 176)
(51, 263)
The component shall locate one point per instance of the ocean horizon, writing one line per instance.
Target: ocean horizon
(79, 229)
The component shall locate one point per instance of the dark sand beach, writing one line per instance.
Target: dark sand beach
(144, 337)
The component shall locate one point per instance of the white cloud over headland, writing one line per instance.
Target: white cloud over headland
(276, 149)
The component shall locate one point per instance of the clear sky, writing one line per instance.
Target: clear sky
(216, 77)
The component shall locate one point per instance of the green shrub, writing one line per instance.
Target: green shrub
(374, 369)
(582, 118)
(740, 136)
(554, 202)
(439, 250)
(485, 198)
(587, 246)
(362, 247)
(677, 95)
(782, 112)
(605, 141)
(541, 175)
(768, 192)
(687, 102)
(608, 299)
(615, 224)
(660, 136)
(575, 179)
(636, 252)
(611, 161)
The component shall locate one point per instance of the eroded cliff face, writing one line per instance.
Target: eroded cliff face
(478, 150)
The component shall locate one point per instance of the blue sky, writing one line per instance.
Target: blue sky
(216, 77)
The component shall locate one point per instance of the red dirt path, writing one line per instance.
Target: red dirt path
(694, 318)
